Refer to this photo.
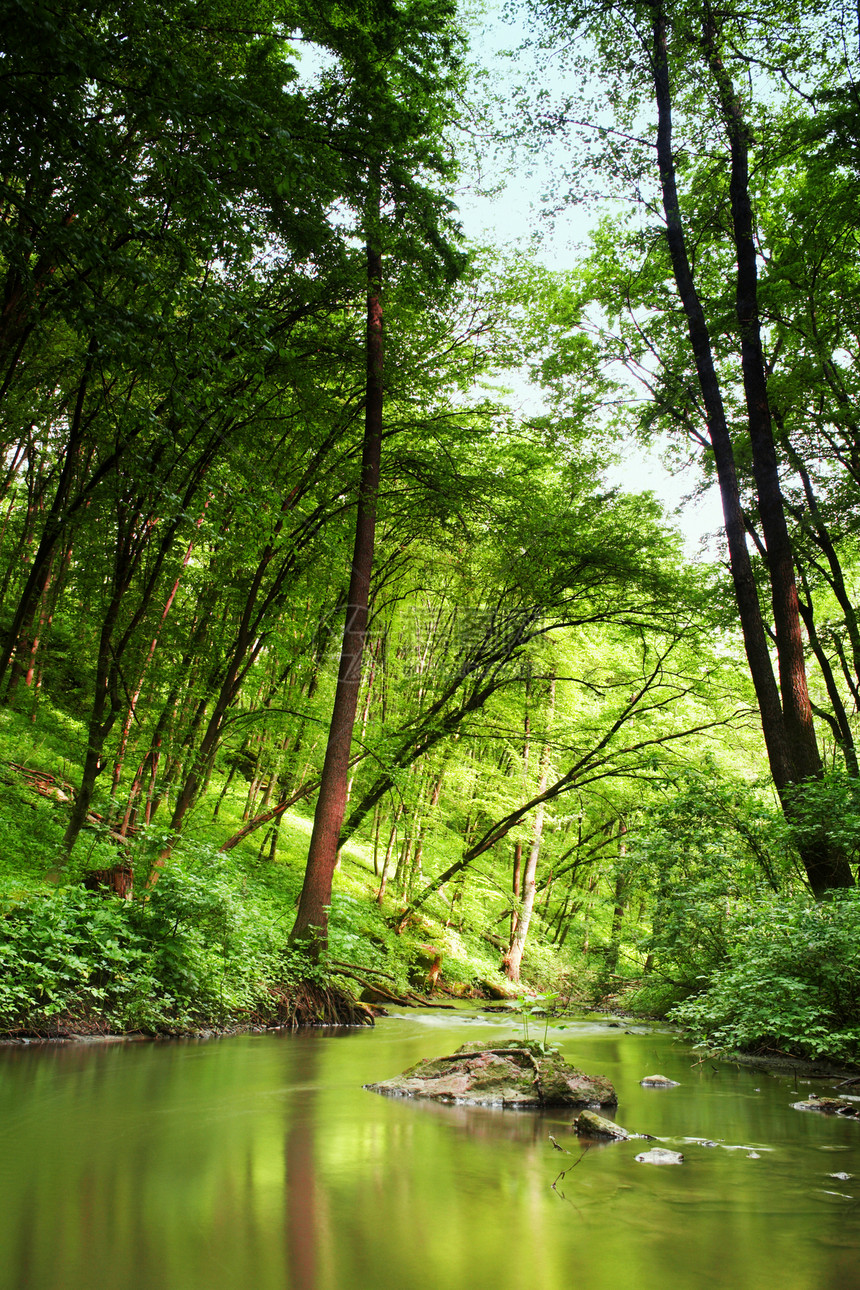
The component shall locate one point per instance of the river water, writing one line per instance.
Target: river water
(260, 1163)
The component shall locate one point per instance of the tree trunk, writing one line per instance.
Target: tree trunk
(516, 884)
(513, 959)
(786, 715)
(311, 923)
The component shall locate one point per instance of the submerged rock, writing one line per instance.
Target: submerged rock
(830, 1106)
(660, 1156)
(512, 1074)
(658, 1081)
(588, 1124)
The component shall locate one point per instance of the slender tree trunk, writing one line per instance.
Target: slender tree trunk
(311, 923)
(620, 897)
(99, 725)
(516, 888)
(392, 838)
(55, 519)
(786, 717)
(513, 959)
(132, 706)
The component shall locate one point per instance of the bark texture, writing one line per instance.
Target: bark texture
(785, 710)
(312, 919)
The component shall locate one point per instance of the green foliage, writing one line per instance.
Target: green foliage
(827, 811)
(791, 980)
(72, 952)
(537, 1008)
(212, 941)
(200, 948)
(185, 204)
(358, 934)
(705, 850)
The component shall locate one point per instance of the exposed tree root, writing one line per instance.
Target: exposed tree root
(306, 1003)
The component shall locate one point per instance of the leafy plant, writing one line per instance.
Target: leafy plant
(791, 981)
(537, 1006)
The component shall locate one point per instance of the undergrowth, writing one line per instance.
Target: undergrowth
(790, 981)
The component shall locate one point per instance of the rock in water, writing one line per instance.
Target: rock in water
(513, 1074)
(658, 1081)
(588, 1124)
(829, 1106)
(660, 1156)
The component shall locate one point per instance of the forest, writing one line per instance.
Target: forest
(334, 661)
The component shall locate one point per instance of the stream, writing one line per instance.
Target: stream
(259, 1162)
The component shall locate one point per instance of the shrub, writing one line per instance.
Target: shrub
(71, 951)
(199, 949)
(791, 981)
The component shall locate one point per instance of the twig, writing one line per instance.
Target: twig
(578, 1160)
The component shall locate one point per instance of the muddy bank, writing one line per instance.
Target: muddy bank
(785, 1064)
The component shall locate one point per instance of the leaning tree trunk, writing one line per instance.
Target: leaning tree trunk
(311, 923)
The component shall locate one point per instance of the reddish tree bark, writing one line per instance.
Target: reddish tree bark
(311, 923)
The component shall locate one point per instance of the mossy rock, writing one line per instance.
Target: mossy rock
(515, 1074)
(658, 1081)
(588, 1124)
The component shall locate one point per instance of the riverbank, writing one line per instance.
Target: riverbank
(68, 1031)
(205, 951)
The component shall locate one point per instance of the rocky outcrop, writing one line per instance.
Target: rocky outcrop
(830, 1106)
(658, 1081)
(512, 1074)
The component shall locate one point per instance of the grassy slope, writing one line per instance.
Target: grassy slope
(210, 940)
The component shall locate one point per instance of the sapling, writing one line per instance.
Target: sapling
(539, 1006)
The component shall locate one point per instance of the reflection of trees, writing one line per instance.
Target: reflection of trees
(302, 1220)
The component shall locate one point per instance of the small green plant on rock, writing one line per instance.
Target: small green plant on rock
(539, 1005)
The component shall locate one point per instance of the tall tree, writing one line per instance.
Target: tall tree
(695, 57)
(312, 917)
(397, 68)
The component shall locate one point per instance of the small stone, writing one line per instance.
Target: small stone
(660, 1156)
(658, 1081)
(588, 1124)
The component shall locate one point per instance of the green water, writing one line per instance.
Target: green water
(259, 1162)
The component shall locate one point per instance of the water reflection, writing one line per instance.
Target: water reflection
(302, 1226)
(261, 1162)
